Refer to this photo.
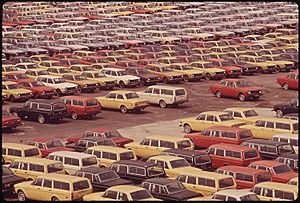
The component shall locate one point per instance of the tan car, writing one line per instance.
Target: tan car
(84, 85)
(189, 73)
(103, 81)
(13, 151)
(123, 100)
(166, 74)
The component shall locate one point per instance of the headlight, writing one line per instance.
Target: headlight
(231, 71)
(171, 77)
(249, 92)
(43, 93)
(260, 91)
(84, 85)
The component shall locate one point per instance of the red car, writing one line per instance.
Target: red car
(102, 132)
(9, 121)
(48, 146)
(230, 70)
(289, 81)
(236, 88)
(79, 106)
(280, 172)
(38, 89)
(220, 134)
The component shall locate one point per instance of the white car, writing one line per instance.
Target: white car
(164, 95)
(59, 83)
(121, 76)
(235, 195)
(26, 66)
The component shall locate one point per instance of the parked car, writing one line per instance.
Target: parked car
(121, 76)
(154, 145)
(235, 195)
(280, 172)
(129, 193)
(15, 92)
(292, 139)
(84, 85)
(195, 158)
(101, 178)
(103, 81)
(168, 189)
(13, 151)
(164, 95)
(33, 73)
(145, 76)
(38, 89)
(269, 149)
(236, 88)
(166, 74)
(40, 110)
(219, 134)
(86, 142)
(137, 171)
(290, 159)
(81, 106)
(247, 115)
(245, 177)
(289, 81)
(283, 109)
(117, 138)
(207, 119)
(189, 73)
(9, 179)
(9, 121)
(48, 145)
(62, 188)
(229, 154)
(209, 70)
(123, 100)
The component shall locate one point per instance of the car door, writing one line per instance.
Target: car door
(292, 107)
(34, 190)
(46, 190)
(231, 90)
(120, 100)
(109, 100)
(198, 124)
(156, 96)
(269, 129)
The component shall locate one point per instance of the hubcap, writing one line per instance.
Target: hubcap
(162, 104)
(41, 119)
(207, 77)
(279, 113)
(187, 129)
(286, 86)
(218, 94)
(242, 97)
(21, 196)
(123, 109)
(74, 115)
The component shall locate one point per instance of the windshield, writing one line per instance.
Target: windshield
(245, 134)
(99, 75)
(81, 185)
(36, 84)
(263, 177)
(126, 156)
(280, 169)
(140, 195)
(89, 161)
(285, 149)
(226, 117)
(131, 95)
(32, 152)
(187, 68)
(121, 73)
(175, 187)
(112, 134)
(21, 76)
(79, 77)
(251, 197)
(59, 80)
(201, 159)
(179, 92)
(208, 65)
(32, 66)
(259, 59)
(107, 176)
(6, 171)
(251, 154)
(5, 113)
(55, 167)
(12, 86)
(179, 163)
(242, 83)
(142, 71)
(54, 144)
(10, 68)
(43, 72)
(226, 182)
(59, 106)
(250, 113)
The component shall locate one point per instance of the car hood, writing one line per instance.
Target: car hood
(85, 82)
(170, 74)
(288, 176)
(213, 70)
(282, 62)
(194, 71)
(122, 140)
(182, 170)
(148, 75)
(12, 179)
(129, 77)
(65, 84)
(231, 67)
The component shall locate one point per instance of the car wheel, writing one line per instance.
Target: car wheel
(12, 98)
(187, 128)
(21, 196)
(41, 119)
(123, 109)
(54, 199)
(186, 78)
(79, 89)
(242, 97)
(165, 80)
(260, 70)
(279, 113)
(74, 115)
(121, 84)
(207, 76)
(277, 70)
(58, 92)
(162, 104)
(218, 94)
(285, 86)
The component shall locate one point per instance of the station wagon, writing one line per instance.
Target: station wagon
(290, 159)
(235, 195)
(13, 151)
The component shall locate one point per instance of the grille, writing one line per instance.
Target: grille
(91, 85)
(110, 83)
(25, 94)
(288, 66)
(219, 73)
(271, 67)
(71, 88)
(133, 81)
(255, 92)
(49, 92)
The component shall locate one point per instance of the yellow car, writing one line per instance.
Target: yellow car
(54, 187)
(79, 68)
(36, 72)
(267, 127)
(204, 36)
(209, 70)
(207, 119)
(261, 64)
(123, 100)
(58, 70)
(14, 92)
(166, 74)
(83, 53)
(289, 40)
(282, 65)
(189, 73)
(84, 85)
(247, 115)
(115, 58)
(48, 64)
(125, 193)
(103, 81)
(172, 165)
(22, 151)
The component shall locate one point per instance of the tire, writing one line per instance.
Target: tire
(277, 70)
(121, 84)
(285, 86)
(165, 80)
(15, 114)
(21, 196)
(74, 115)
(260, 70)
(218, 94)
(41, 119)
(12, 98)
(186, 78)
(123, 109)
(58, 92)
(79, 89)
(187, 128)
(279, 113)
(162, 104)
(54, 199)
(207, 76)
(242, 97)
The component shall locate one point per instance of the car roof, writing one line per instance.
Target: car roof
(78, 97)
(93, 169)
(45, 101)
(267, 163)
(94, 139)
(62, 177)
(268, 142)
(241, 169)
(17, 146)
(293, 136)
(112, 149)
(121, 91)
(167, 138)
(126, 188)
(289, 156)
(135, 163)
(99, 130)
(279, 120)
(71, 154)
(200, 173)
(275, 185)
(239, 109)
(231, 147)
(36, 160)
(165, 87)
(184, 152)
(49, 76)
(165, 157)
(215, 113)
(162, 181)
(234, 192)
(41, 139)
(226, 128)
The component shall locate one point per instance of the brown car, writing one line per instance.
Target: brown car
(166, 74)
(83, 83)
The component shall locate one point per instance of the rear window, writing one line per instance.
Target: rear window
(245, 135)
(263, 177)
(166, 92)
(155, 171)
(31, 152)
(179, 92)
(89, 161)
(226, 182)
(126, 156)
(81, 185)
(251, 197)
(280, 169)
(251, 154)
(202, 159)
(93, 102)
(184, 144)
(55, 167)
